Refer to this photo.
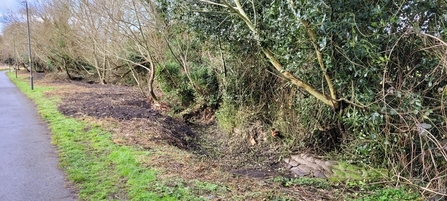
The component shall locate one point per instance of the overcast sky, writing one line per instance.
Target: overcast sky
(10, 6)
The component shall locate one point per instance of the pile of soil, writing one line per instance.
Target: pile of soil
(125, 104)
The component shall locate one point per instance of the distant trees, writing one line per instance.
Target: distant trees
(11, 42)
(99, 39)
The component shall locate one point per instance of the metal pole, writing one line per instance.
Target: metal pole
(15, 54)
(9, 65)
(29, 49)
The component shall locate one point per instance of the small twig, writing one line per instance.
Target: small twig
(432, 191)
(436, 38)
(352, 103)
(276, 75)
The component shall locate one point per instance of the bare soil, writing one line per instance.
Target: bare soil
(195, 151)
(125, 105)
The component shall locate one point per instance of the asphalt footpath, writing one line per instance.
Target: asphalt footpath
(28, 162)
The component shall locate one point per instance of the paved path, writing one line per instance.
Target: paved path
(28, 162)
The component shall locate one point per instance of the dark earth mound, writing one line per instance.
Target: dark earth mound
(124, 103)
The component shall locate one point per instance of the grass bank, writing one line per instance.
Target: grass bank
(100, 169)
(103, 167)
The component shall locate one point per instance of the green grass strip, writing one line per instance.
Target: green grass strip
(100, 169)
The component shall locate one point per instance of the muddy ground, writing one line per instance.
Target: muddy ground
(197, 150)
(128, 106)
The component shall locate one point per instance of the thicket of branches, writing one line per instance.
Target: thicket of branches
(366, 79)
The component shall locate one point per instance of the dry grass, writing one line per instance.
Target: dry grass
(4, 67)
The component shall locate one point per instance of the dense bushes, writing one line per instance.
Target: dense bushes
(387, 68)
(185, 89)
(364, 79)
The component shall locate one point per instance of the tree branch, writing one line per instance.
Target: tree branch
(313, 37)
(330, 101)
(213, 3)
(292, 78)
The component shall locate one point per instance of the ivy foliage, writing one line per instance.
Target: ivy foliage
(386, 60)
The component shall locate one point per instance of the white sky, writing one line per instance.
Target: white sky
(10, 7)
(9, 4)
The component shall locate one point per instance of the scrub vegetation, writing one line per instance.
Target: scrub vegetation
(239, 85)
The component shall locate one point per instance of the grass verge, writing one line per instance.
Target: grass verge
(100, 169)
(104, 170)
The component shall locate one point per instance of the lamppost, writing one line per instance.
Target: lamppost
(15, 55)
(29, 47)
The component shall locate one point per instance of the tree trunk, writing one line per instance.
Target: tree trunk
(151, 78)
